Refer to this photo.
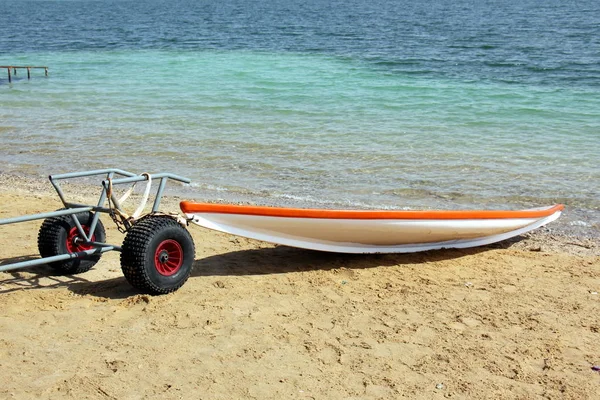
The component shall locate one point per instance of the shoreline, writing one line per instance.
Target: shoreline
(568, 231)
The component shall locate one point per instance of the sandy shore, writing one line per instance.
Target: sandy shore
(516, 320)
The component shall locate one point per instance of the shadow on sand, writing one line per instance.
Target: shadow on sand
(263, 261)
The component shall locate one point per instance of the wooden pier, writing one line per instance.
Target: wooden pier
(15, 68)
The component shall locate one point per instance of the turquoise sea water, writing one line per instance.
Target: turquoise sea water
(318, 103)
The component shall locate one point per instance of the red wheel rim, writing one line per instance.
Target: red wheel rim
(75, 246)
(168, 257)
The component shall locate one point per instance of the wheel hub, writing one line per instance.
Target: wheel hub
(168, 257)
(75, 243)
(163, 257)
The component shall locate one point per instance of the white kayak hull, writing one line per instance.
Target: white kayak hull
(369, 232)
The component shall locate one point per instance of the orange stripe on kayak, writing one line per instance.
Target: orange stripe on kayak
(189, 207)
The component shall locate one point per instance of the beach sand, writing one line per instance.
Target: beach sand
(515, 320)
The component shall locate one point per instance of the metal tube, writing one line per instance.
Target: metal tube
(159, 193)
(101, 201)
(80, 229)
(98, 244)
(94, 208)
(59, 191)
(58, 213)
(139, 178)
(61, 257)
(90, 173)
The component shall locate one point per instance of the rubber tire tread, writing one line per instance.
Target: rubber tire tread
(137, 254)
(52, 238)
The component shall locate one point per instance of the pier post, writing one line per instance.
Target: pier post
(11, 69)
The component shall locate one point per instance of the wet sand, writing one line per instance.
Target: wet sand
(514, 320)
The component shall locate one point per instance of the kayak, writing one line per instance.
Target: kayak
(368, 231)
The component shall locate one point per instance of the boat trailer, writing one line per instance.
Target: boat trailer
(157, 252)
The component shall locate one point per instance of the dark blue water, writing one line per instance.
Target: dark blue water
(545, 42)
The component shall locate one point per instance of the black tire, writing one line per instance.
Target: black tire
(157, 255)
(56, 237)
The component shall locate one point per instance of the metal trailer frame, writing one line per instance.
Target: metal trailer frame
(74, 208)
